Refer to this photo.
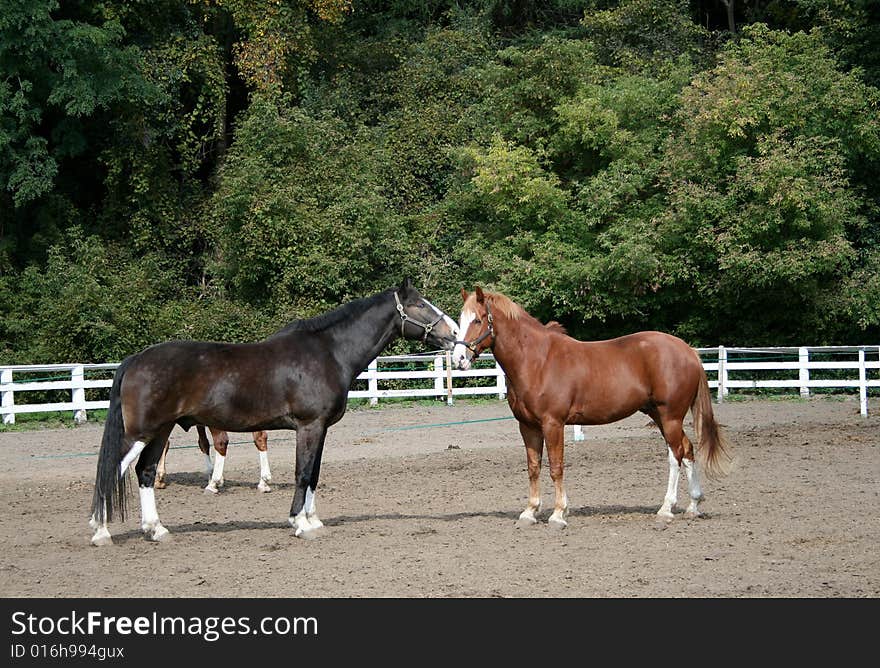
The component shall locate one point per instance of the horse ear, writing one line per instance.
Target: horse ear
(464, 295)
(480, 296)
(407, 285)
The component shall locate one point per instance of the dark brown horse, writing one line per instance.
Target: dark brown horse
(554, 380)
(214, 469)
(298, 378)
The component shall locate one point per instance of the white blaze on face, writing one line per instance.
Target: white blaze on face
(449, 321)
(460, 352)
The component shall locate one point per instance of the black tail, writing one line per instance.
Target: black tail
(110, 485)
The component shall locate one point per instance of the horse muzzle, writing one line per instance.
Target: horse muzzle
(462, 356)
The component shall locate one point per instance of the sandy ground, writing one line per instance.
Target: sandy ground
(422, 501)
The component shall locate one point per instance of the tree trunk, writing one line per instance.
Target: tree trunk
(731, 23)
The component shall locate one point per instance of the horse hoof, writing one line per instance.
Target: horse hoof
(556, 524)
(160, 484)
(263, 487)
(526, 522)
(102, 540)
(665, 515)
(160, 535)
(210, 489)
(313, 534)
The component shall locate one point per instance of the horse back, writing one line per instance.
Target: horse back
(236, 387)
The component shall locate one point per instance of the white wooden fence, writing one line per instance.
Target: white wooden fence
(855, 367)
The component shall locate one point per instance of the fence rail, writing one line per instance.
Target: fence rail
(856, 367)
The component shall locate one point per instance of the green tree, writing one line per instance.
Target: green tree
(300, 218)
(61, 77)
(760, 180)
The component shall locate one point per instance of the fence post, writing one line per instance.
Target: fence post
(6, 396)
(863, 384)
(438, 375)
(501, 381)
(373, 381)
(722, 374)
(78, 394)
(449, 399)
(804, 372)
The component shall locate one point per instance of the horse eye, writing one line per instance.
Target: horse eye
(478, 321)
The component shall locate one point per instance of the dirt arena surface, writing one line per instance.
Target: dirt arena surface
(422, 500)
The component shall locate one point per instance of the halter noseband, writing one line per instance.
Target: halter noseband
(404, 318)
(490, 331)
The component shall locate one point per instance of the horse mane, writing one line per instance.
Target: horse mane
(505, 305)
(500, 302)
(321, 322)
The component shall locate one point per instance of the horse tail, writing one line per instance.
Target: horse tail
(110, 483)
(714, 450)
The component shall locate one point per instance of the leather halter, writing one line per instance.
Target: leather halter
(490, 331)
(404, 318)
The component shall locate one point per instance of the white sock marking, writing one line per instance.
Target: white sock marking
(672, 486)
(217, 475)
(693, 479)
(265, 473)
(149, 513)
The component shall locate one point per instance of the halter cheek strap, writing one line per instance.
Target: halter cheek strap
(404, 318)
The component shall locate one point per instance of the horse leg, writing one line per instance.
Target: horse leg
(673, 434)
(160, 469)
(554, 435)
(221, 441)
(102, 533)
(693, 478)
(309, 446)
(311, 492)
(205, 447)
(534, 442)
(261, 440)
(146, 475)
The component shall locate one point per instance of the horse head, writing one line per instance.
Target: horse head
(420, 319)
(476, 327)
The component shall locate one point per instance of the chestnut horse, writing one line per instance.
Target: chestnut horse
(554, 380)
(214, 469)
(298, 379)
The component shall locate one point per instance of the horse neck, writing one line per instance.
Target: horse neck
(359, 340)
(517, 341)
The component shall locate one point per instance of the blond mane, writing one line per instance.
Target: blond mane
(509, 308)
(501, 303)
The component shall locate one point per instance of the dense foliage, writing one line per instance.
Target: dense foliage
(214, 168)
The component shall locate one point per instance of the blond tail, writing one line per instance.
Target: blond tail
(713, 448)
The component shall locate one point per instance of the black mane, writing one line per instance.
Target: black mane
(346, 311)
